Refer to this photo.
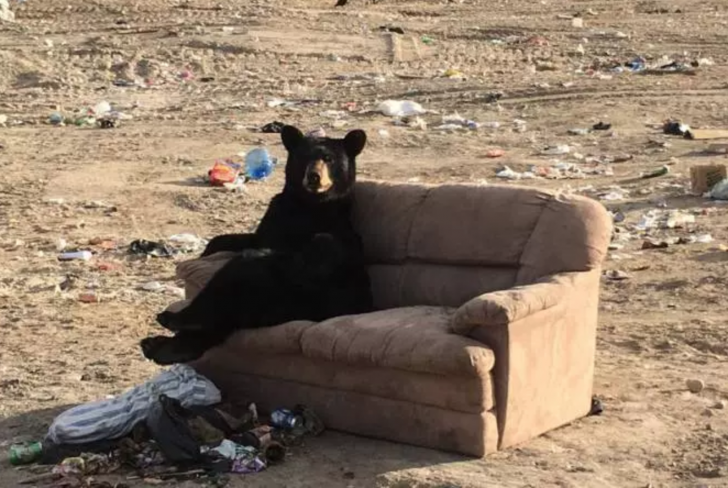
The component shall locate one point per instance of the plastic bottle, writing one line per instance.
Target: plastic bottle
(69, 256)
(258, 164)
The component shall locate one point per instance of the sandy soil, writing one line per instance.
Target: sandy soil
(662, 326)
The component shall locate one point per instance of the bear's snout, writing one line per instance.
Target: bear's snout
(318, 178)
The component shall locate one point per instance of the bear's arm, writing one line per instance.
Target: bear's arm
(263, 236)
(230, 242)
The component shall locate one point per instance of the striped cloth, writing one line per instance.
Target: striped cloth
(115, 418)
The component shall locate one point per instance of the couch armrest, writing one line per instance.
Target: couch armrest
(506, 306)
(544, 340)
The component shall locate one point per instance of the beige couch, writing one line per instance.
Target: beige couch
(485, 336)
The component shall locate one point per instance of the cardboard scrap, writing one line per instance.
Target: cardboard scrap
(702, 134)
(704, 177)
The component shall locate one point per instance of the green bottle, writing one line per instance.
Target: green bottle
(25, 453)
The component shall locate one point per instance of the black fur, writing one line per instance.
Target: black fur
(304, 262)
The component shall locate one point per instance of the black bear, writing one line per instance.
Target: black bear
(304, 262)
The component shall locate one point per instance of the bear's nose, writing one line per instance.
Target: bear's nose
(314, 178)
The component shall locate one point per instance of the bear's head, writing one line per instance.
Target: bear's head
(321, 168)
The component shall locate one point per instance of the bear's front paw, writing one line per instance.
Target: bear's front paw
(152, 345)
(167, 320)
(170, 350)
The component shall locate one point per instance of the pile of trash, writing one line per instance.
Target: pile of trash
(6, 14)
(172, 427)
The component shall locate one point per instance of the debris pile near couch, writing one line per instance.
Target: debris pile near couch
(172, 427)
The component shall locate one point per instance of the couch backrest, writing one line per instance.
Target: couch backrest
(443, 245)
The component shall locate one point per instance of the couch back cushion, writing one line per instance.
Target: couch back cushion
(443, 245)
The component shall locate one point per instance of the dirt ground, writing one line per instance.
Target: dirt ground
(211, 71)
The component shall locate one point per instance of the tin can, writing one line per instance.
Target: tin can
(25, 453)
(285, 419)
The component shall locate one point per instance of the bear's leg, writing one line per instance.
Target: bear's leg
(180, 348)
(230, 242)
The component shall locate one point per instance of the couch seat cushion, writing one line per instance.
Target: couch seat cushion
(414, 339)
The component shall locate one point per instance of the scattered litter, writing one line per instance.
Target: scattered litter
(618, 217)
(455, 122)
(222, 172)
(400, 108)
(259, 164)
(6, 14)
(559, 150)
(56, 119)
(675, 128)
(27, 453)
(664, 170)
(394, 29)
(319, 133)
(519, 125)
(413, 122)
(507, 173)
(88, 297)
(579, 132)
(245, 458)
(77, 255)
(274, 127)
(637, 64)
(664, 219)
(613, 193)
(719, 191)
(654, 244)
(495, 153)
(601, 126)
(704, 134)
(285, 419)
(452, 73)
(491, 124)
(152, 286)
(150, 248)
(616, 275)
(187, 243)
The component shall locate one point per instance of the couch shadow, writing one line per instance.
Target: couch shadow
(332, 459)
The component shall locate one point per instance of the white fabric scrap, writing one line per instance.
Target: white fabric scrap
(116, 417)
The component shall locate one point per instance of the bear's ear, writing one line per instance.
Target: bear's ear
(291, 137)
(354, 142)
